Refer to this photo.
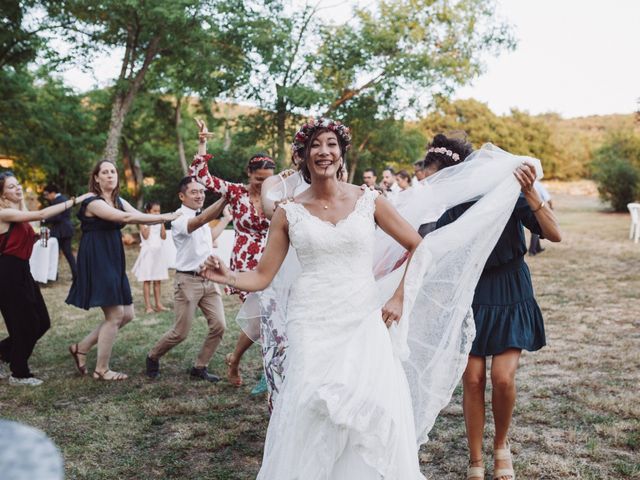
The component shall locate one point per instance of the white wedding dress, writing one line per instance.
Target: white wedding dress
(353, 400)
(344, 410)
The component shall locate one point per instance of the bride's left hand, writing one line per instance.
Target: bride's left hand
(392, 311)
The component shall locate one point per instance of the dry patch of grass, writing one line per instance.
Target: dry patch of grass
(578, 406)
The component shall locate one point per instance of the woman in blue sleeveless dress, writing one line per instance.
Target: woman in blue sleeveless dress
(102, 279)
(506, 314)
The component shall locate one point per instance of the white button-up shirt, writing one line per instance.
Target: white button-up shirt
(192, 249)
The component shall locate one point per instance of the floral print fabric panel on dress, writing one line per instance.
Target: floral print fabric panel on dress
(250, 225)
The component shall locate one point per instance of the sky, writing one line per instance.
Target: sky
(573, 57)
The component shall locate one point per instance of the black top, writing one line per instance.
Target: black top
(60, 225)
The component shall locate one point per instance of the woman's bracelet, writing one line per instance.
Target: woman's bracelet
(234, 278)
(541, 206)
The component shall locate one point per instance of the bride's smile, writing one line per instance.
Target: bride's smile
(325, 155)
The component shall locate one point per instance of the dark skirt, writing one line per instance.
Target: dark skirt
(102, 278)
(505, 311)
(24, 312)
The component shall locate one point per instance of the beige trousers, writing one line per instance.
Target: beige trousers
(191, 292)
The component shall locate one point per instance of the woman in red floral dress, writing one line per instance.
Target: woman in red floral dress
(249, 222)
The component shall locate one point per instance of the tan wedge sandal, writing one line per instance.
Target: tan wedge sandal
(475, 472)
(503, 454)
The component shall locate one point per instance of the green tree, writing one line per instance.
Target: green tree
(47, 130)
(399, 53)
(150, 33)
(518, 133)
(616, 169)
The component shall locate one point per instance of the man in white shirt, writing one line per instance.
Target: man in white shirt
(391, 187)
(534, 245)
(194, 242)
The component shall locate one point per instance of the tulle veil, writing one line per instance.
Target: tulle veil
(434, 336)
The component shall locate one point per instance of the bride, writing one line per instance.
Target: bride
(346, 408)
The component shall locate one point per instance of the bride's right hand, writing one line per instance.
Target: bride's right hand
(215, 270)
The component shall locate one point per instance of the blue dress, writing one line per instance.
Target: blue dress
(102, 278)
(505, 311)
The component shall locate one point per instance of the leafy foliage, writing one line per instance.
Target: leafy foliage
(616, 168)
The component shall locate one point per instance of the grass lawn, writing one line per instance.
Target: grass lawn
(577, 415)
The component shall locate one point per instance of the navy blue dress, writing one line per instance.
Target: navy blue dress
(505, 311)
(102, 278)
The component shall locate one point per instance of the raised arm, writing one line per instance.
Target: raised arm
(272, 258)
(526, 175)
(222, 224)
(15, 215)
(212, 212)
(199, 167)
(388, 218)
(129, 215)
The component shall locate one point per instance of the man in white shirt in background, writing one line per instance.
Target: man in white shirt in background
(194, 242)
(390, 186)
(534, 245)
(370, 178)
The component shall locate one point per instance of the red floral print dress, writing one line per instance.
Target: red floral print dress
(251, 226)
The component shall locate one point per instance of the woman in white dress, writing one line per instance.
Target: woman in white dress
(346, 409)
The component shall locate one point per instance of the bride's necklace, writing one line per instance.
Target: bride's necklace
(326, 206)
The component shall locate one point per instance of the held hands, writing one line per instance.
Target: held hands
(526, 175)
(83, 197)
(392, 311)
(215, 270)
(170, 217)
(287, 173)
(226, 213)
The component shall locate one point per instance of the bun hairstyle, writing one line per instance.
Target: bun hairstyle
(446, 151)
(261, 161)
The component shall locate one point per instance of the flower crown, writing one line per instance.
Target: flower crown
(454, 156)
(261, 160)
(304, 134)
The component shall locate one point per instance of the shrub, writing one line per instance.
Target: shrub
(616, 168)
(618, 181)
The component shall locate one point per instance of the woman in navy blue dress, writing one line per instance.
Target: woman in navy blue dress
(102, 278)
(506, 314)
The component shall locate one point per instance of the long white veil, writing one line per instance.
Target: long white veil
(433, 338)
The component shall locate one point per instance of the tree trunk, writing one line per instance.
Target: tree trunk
(115, 130)
(178, 121)
(227, 137)
(132, 174)
(353, 167)
(124, 99)
(355, 156)
(281, 123)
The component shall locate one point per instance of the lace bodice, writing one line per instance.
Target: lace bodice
(334, 250)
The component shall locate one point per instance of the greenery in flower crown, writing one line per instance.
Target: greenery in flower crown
(304, 134)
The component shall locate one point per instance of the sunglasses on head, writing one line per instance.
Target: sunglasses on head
(5, 174)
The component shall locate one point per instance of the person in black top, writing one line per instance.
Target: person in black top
(506, 315)
(60, 226)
